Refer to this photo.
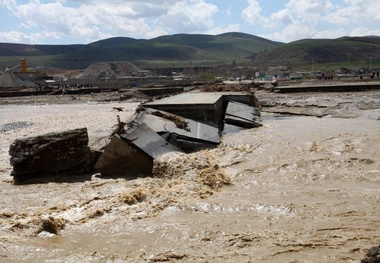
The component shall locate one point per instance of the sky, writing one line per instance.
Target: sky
(86, 21)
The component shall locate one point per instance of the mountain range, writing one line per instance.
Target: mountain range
(185, 49)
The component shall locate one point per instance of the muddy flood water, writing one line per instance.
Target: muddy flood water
(298, 189)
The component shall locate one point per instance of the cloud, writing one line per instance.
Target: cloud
(363, 31)
(189, 16)
(282, 17)
(16, 37)
(252, 13)
(229, 28)
(356, 12)
(95, 19)
(8, 4)
(44, 21)
(228, 12)
(298, 19)
(290, 33)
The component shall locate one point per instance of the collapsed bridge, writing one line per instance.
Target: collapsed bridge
(185, 123)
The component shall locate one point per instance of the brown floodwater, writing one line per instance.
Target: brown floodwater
(299, 189)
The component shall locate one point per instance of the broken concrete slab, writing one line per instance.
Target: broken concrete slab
(206, 107)
(133, 153)
(242, 110)
(51, 154)
(163, 122)
(241, 97)
(203, 106)
(148, 141)
(242, 115)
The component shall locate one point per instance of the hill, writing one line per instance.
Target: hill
(199, 50)
(345, 51)
(165, 50)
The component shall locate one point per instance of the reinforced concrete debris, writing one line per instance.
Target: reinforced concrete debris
(183, 123)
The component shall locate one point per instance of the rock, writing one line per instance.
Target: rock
(51, 154)
(372, 256)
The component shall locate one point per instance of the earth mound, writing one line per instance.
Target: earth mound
(109, 70)
(10, 80)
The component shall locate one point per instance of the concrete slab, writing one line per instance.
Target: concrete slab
(133, 154)
(147, 140)
(242, 115)
(242, 110)
(204, 106)
(188, 98)
(163, 122)
(241, 97)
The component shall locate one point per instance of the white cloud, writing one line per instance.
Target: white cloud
(42, 21)
(332, 33)
(229, 12)
(94, 19)
(356, 12)
(9, 4)
(229, 28)
(189, 16)
(290, 33)
(16, 37)
(13, 36)
(155, 33)
(298, 19)
(282, 17)
(362, 31)
(305, 12)
(252, 14)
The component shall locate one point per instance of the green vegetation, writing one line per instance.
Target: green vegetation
(226, 51)
(200, 50)
(322, 54)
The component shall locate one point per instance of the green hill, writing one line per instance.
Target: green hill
(161, 51)
(345, 51)
(199, 50)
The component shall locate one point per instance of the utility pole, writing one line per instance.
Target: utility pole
(370, 63)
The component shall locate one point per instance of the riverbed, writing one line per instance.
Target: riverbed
(301, 188)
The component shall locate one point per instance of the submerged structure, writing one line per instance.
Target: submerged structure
(187, 122)
(183, 123)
